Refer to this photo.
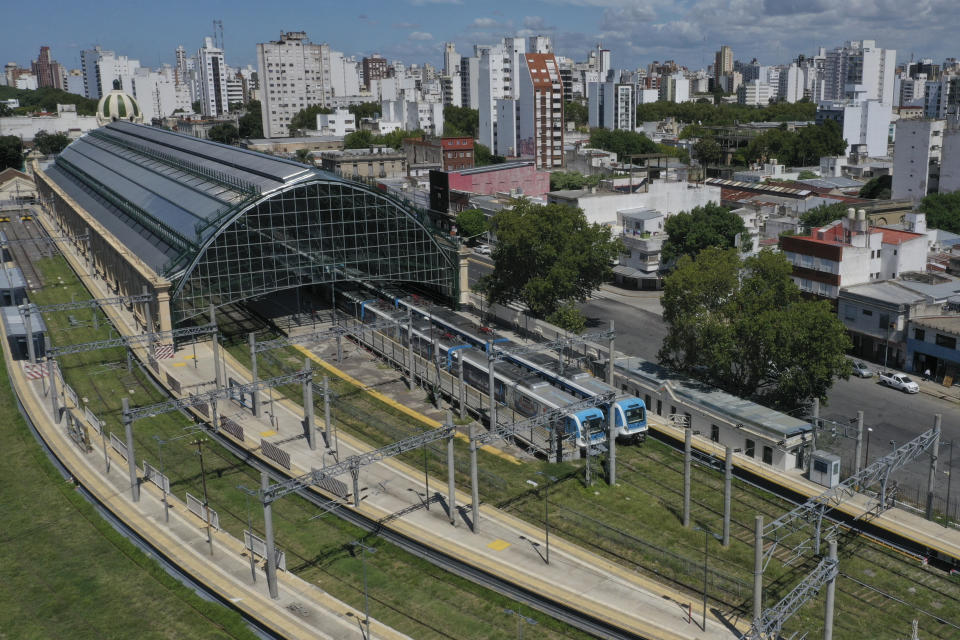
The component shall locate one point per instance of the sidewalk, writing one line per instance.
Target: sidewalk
(928, 387)
(390, 493)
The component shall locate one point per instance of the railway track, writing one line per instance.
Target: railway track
(24, 249)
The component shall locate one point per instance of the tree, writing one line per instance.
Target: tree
(622, 142)
(358, 139)
(251, 122)
(5, 110)
(800, 147)
(364, 110)
(225, 133)
(546, 256)
(942, 211)
(568, 317)
(471, 223)
(482, 156)
(823, 215)
(303, 155)
(576, 113)
(307, 118)
(806, 175)
(460, 121)
(707, 151)
(50, 143)
(46, 99)
(560, 180)
(743, 327)
(690, 232)
(878, 188)
(11, 153)
(195, 106)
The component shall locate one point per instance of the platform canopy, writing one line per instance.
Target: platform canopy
(224, 224)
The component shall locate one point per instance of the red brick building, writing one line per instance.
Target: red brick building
(446, 154)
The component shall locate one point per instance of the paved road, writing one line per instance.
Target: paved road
(891, 414)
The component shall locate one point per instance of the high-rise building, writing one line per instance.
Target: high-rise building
(469, 81)
(674, 88)
(859, 70)
(916, 158)
(50, 73)
(213, 79)
(612, 105)
(723, 65)
(865, 124)
(531, 124)
(451, 59)
(539, 44)
(950, 161)
(374, 68)
(293, 74)
(93, 86)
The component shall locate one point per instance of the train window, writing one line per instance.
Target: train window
(500, 391)
(750, 448)
(659, 407)
(526, 406)
(715, 433)
(768, 455)
(647, 401)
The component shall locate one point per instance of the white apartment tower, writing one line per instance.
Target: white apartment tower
(916, 158)
(294, 74)
(950, 161)
(213, 79)
(859, 70)
(92, 86)
(612, 105)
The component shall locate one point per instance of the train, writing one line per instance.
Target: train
(521, 384)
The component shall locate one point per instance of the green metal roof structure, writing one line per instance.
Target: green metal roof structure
(224, 224)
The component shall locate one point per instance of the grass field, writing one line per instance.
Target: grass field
(66, 573)
(405, 592)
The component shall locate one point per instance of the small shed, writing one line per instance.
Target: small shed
(16, 328)
(13, 287)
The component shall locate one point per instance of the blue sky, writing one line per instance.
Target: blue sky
(636, 31)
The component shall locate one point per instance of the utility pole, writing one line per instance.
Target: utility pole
(612, 416)
(474, 489)
(934, 455)
(757, 571)
(859, 449)
(831, 591)
(451, 481)
(308, 406)
(687, 435)
(131, 456)
(254, 395)
(206, 503)
(215, 346)
(727, 490)
(271, 550)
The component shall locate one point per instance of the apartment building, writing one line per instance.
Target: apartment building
(916, 158)
(294, 74)
(213, 80)
(612, 105)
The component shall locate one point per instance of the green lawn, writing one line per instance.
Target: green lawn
(66, 573)
(405, 592)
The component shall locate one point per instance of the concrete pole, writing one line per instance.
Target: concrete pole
(451, 481)
(492, 383)
(610, 356)
(831, 591)
(216, 350)
(355, 474)
(612, 443)
(54, 405)
(254, 395)
(326, 409)
(147, 320)
(308, 406)
(462, 391)
(859, 450)
(339, 347)
(131, 456)
(410, 361)
(816, 423)
(474, 488)
(727, 493)
(757, 570)
(271, 550)
(934, 454)
(687, 434)
(28, 327)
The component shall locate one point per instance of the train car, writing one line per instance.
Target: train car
(530, 396)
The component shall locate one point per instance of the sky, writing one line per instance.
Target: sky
(636, 31)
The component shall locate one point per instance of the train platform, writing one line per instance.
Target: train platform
(393, 494)
(302, 610)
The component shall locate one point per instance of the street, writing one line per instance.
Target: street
(892, 415)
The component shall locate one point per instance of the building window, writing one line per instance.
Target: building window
(867, 312)
(919, 334)
(768, 455)
(715, 433)
(750, 448)
(849, 312)
(946, 341)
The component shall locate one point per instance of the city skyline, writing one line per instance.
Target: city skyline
(413, 31)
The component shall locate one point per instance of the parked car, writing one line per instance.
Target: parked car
(899, 381)
(483, 249)
(861, 370)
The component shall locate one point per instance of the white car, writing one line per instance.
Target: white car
(861, 370)
(899, 381)
(483, 249)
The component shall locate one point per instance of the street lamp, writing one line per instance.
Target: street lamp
(364, 549)
(866, 457)
(521, 620)
(706, 534)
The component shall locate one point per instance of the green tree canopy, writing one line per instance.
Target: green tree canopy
(806, 175)
(303, 155)
(547, 255)
(482, 156)
(690, 232)
(363, 139)
(306, 119)
(46, 99)
(11, 153)
(196, 106)
(878, 188)
(575, 112)
(743, 327)
(797, 148)
(460, 121)
(471, 223)
(708, 114)
(251, 122)
(707, 151)
(622, 142)
(225, 133)
(942, 211)
(560, 180)
(50, 143)
(364, 110)
(823, 215)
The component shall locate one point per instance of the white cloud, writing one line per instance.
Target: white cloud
(484, 23)
(421, 35)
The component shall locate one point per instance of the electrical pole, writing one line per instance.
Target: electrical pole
(687, 435)
(206, 503)
(131, 456)
(727, 490)
(934, 455)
